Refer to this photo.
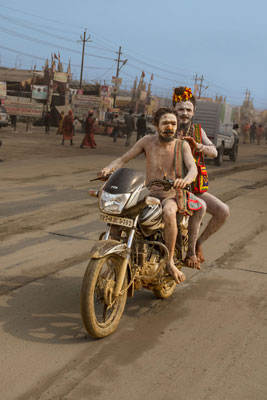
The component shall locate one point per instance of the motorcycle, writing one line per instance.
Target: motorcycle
(131, 253)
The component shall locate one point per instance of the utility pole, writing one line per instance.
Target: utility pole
(84, 39)
(195, 85)
(200, 86)
(118, 70)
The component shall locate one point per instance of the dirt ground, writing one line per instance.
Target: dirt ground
(208, 341)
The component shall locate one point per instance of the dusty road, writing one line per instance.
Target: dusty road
(208, 341)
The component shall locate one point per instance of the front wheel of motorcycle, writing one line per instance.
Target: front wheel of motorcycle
(165, 290)
(101, 311)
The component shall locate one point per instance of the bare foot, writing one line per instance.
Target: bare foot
(177, 275)
(192, 262)
(199, 253)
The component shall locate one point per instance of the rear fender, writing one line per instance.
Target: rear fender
(104, 247)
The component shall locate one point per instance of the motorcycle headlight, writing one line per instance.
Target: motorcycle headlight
(112, 203)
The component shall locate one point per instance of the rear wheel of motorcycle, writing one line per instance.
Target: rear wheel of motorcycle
(101, 314)
(165, 291)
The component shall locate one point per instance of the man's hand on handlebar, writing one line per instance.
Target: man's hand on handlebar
(104, 173)
(181, 183)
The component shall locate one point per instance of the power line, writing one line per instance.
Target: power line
(42, 58)
(32, 39)
(41, 17)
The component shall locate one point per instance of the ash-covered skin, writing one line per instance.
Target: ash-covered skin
(159, 151)
(215, 207)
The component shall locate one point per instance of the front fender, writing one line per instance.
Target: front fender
(105, 247)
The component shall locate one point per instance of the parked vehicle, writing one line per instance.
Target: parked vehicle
(130, 254)
(216, 120)
(4, 117)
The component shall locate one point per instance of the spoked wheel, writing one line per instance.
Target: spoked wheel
(166, 290)
(100, 310)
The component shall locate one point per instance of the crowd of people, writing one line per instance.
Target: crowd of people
(124, 126)
(68, 125)
(253, 133)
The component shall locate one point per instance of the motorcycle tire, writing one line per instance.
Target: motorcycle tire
(165, 291)
(97, 286)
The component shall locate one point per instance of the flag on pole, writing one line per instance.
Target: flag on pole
(143, 74)
(152, 77)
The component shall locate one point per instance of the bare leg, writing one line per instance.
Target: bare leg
(170, 234)
(219, 211)
(192, 260)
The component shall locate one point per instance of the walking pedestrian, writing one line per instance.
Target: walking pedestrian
(245, 132)
(75, 125)
(67, 128)
(116, 129)
(47, 122)
(129, 121)
(265, 133)
(60, 123)
(141, 127)
(259, 133)
(89, 138)
(252, 132)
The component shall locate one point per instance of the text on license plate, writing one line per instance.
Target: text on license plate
(111, 219)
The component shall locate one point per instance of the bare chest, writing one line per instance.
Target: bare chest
(160, 160)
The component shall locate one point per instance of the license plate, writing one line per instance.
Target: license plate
(111, 219)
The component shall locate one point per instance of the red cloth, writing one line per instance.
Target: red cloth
(89, 138)
(67, 127)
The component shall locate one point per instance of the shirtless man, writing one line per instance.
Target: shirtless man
(184, 104)
(159, 152)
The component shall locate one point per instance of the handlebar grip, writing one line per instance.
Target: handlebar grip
(102, 178)
(166, 183)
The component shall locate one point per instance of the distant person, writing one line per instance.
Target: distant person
(108, 119)
(89, 138)
(129, 121)
(259, 133)
(116, 129)
(76, 123)
(141, 127)
(252, 132)
(67, 128)
(60, 123)
(236, 131)
(13, 121)
(245, 132)
(265, 133)
(47, 122)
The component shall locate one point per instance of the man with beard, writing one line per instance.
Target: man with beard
(184, 104)
(161, 156)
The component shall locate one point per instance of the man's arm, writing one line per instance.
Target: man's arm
(137, 149)
(208, 147)
(190, 165)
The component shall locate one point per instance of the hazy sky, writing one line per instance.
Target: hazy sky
(225, 41)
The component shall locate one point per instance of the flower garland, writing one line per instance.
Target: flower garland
(186, 95)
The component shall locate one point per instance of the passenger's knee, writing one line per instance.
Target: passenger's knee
(204, 207)
(224, 212)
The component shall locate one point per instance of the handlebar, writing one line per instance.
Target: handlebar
(102, 178)
(165, 182)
